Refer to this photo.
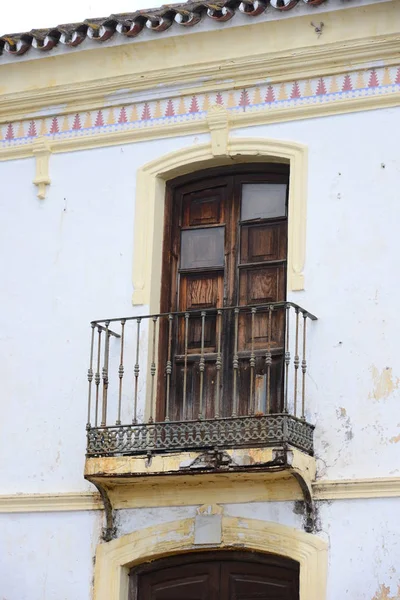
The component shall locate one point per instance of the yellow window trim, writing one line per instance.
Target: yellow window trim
(150, 199)
(115, 558)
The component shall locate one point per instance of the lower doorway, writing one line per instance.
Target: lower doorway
(216, 576)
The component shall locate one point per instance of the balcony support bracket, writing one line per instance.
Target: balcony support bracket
(309, 505)
(109, 531)
(285, 460)
(304, 478)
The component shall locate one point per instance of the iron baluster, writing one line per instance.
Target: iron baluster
(202, 364)
(136, 370)
(185, 364)
(287, 359)
(218, 363)
(90, 377)
(235, 365)
(169, 366)
(121, 371)
(296, 363)
(153, 369)
(252, 364)
(268, 359)
(97, 378)
(304, 368)
(105, 376)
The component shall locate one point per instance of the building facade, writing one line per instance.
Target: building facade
(199, 322)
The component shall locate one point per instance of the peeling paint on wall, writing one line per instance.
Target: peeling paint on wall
(383, 593)
(348, 429)
(384, 383)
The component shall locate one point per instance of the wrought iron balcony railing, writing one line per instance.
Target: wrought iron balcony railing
(196, 380)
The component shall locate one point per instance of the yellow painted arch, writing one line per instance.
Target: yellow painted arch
(150, 199)
(115, 558)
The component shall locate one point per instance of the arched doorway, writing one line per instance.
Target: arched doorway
(224, 575)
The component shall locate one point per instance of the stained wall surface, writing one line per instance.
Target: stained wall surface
(48, 556)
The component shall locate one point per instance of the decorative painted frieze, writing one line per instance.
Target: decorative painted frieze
(266, 96)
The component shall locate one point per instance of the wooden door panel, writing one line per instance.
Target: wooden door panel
(264, 242)
(189, 409)
(189, 582)
(261, 285)
(201, 290)
(193, 588)
(242, 587)
(195, 335)
(202, 211)
(259, 401)
(205, 207)
(255, 581)
(262, 331)
(186, 406)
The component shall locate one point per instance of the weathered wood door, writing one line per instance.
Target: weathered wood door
(217, 576)
(225, 245)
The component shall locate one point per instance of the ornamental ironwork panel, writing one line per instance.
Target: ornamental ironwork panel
(154, 438)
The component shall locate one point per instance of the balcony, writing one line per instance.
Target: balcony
(275, 399)
(199, 392)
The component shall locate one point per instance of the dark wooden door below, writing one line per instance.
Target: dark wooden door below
(217, 576)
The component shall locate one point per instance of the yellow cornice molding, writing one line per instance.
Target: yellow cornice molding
(347, 489)
(68, 501)
(342, 489)
(205, 77)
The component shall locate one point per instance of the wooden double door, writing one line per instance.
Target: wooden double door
(217, 576)
(225, 245)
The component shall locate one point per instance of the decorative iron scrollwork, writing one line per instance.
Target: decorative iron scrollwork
(204, 434)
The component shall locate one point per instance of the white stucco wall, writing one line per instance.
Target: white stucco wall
(47, 556)
(69, 260)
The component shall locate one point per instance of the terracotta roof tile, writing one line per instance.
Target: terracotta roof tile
(186, 14)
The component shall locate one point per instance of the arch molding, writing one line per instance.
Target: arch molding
(150, 200)
(115, 558)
